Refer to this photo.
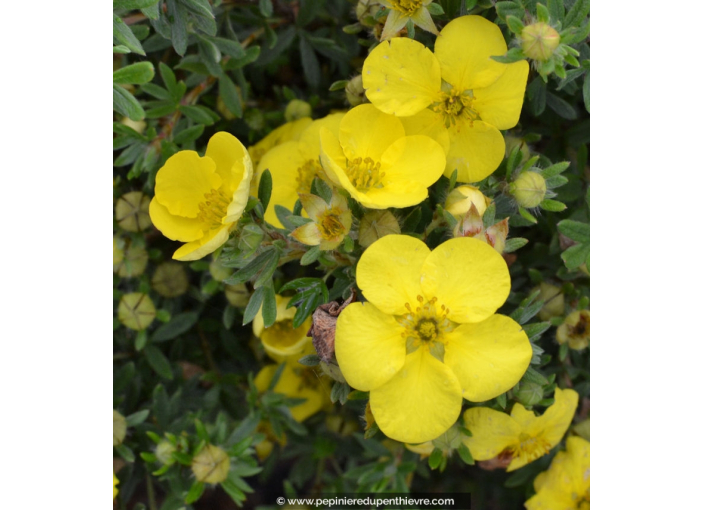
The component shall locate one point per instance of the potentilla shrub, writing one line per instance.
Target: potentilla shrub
(350, 252)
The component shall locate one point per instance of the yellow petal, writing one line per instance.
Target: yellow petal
(288, 132)
(523, 416)
(558, 417)
(282, 313)
(283, 162)
(308, 234)
(401, 76)
(475, 150)
(309, 142)
(468, 276)
(463, 49)
(333, 159)
(228, 154)
(240, 196)
(183, 181)
(366, 132)
(428, 123)
(400, 194)
(500, 103)
(413, 158)
(369, 346)
(176, 228)
(313, 205)
(292, 384)
(488, 358)
(420, 402)
(389, 272)
(206, 245)
(492, 432)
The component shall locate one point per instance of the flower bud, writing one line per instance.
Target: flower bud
(137, 125)
(529, 393)
(554, 301)
(255, 119)
(211, 465)
(132, 263)
(163, 453)
(375, 225)
(237, 295)
(132, 211)
(461, 199)
(529, 189)
(539, 41)
(355, 91)
(575, 330)
(297, 109)
(514, 141)
(496, 235)
(118, 252)
(136, 311)
(170, 279)
(119, 428)
(365, 11)
(218, 271)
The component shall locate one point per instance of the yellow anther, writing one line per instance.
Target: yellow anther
(455, 105)
(213, 208)
(364, 174)
(306, 173)
(408, 7)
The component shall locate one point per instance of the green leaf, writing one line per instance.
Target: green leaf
(251, 54)
(513, 55)
(179, 33)
(126, 104)
(169, 81)
(310, 256)
(266, 8)
(561, 107)
(156, 91)
(255, 303)
(310, 293)
(505, 9)
(121, 34)
(543, 13)
(199, 7)
(311, 66)
(125, 452)
(178, 324)
(556, 9)
(534, 331)
(435, 458)
(537, 94)
(269, 306)
(137, 74)
(236, 494)
(158, 361)
(555, 169)
(308, 10)
(199, 114)
(489, 215)
(311, 360)
(585, 92)
(338, 85)
(465, 454)
(532, 375)
(120, 49)
(526, 215)
(575, 256)
(575, 230)
(195, 492)
(501, 400)
(257, 266)
(189, 135)
(552, 205)
(516, 26)
(515, 243)
(141, 340)
(265, 187)
(132, 4)
(577, 13)
(137, 418)
(231, 47)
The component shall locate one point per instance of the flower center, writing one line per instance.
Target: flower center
(330, 225)
(306, 174)
(529, 447)
(455, 105)
(426, 325)
(364, 173)
(213, 208)
(407, 7)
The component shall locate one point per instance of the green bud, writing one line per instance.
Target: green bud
(164, 451)
(136, 311)
(170, 279)
(529, 393)
(375, 225)
(119, 428)
(297, 109)
(132, 211)
(355, 91)
(539, 41)
(529, 189)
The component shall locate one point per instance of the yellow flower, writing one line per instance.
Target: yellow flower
(281, 340)
(211, 465)
(520, 437)
(331, 222)
(404, 10)
(198, 200)
(470, 97)
(115, 481)
(294, 165)
(285, 133)
(565, 485)
(575, 330)
(299, 382)
(428, 335)
(374, 160)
